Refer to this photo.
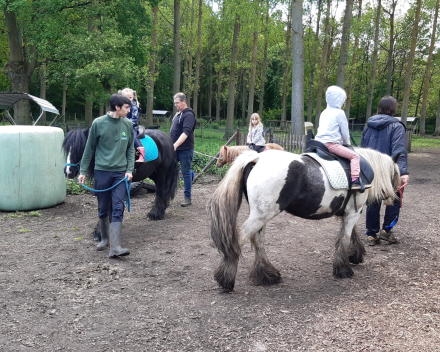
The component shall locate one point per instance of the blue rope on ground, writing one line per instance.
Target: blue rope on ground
(127, 185)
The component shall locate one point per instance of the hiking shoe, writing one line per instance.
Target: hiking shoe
(387, 236)
(372, 241)
(186, 202)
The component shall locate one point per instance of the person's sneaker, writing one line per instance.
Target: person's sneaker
(372, 240)
(387, 236)
(186, 202)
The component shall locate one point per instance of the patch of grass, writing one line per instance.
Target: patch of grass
(425, 142)
(15, 215)
(79, 238)
(75, 228)
(22, 230)
(34, 213)
(56, 236)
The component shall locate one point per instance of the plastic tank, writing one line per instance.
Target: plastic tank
(31, 167)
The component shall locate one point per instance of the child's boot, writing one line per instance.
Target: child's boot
(141, 155)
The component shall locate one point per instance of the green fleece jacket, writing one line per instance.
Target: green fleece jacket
(112, 142)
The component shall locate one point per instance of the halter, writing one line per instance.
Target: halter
(74, 165)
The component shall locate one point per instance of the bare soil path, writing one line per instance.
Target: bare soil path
(58, 294)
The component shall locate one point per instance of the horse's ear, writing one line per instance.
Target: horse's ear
(67, 129)
(396, 158)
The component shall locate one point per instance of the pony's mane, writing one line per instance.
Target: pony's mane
(235, 151)
(75, 143)
(384, 169)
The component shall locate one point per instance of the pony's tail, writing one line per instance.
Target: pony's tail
(170, 183)
(222, 211)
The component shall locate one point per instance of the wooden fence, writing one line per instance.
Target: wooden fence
(291, 143)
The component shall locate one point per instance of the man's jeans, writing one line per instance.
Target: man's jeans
(185, 157)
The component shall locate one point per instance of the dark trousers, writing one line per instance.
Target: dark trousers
(373, 217)
(257, 148)
(185, 158)
(113, 198)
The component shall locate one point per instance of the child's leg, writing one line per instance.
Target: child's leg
(137, 144)
(346, 153)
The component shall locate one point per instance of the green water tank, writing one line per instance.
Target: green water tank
(31, 167)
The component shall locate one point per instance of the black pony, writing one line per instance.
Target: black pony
(163, 171)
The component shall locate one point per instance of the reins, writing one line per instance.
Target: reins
(400, 189)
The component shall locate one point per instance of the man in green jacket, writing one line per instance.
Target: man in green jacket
(111, 139)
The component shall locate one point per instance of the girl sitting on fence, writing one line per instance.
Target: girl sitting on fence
(255, 138)
(133, 116)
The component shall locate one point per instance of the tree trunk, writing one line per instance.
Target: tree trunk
(286, 63)
(43, 89)
(391, 49)
(297, 68)
(189, 79)
(89, 108)
(374, 62)
(313, 66)
(63, 107)
(19, 68)
(232, 74)
(243, 96)
(219, 86)
(263, 72)
(428, 73)
(253, 74)
(323, 70)
(152, 71)
(437, 118)
(409, 68)
(177, 59)
(199, 44)
(353, 63)
(210, 87)
(340, 81)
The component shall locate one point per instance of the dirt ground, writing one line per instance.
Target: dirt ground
(57, 293)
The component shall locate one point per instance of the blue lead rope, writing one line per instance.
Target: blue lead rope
(127, 185)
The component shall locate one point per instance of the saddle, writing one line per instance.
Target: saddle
(150, 147)
(366, 174)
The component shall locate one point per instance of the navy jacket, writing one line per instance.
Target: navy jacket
(184, 122)
(387, 135)
(133, 115)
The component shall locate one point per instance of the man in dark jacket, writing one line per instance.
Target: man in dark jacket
(182, 135)
(388, 135)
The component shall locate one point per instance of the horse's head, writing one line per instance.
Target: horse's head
(73, 145)
(222, 159)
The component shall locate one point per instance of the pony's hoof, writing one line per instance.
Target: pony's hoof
(355, 259)
(225, 284)
(343, 272)
(96, 236)
(153, 215)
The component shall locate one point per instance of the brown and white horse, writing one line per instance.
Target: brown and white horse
(297, 184)
(229, 154)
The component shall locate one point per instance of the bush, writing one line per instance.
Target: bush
(215, 126)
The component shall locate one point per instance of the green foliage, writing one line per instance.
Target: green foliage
(73, 187)
(215, 126)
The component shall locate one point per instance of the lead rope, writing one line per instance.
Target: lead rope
(400, 189)
(127, 186)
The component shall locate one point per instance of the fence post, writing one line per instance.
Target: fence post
(237, 142)
(409, 134)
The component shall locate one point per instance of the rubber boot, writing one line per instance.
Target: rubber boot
(141, 155)
(105, 227)
(115, 241)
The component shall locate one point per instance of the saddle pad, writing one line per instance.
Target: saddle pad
(334, 171)
(151, 152)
